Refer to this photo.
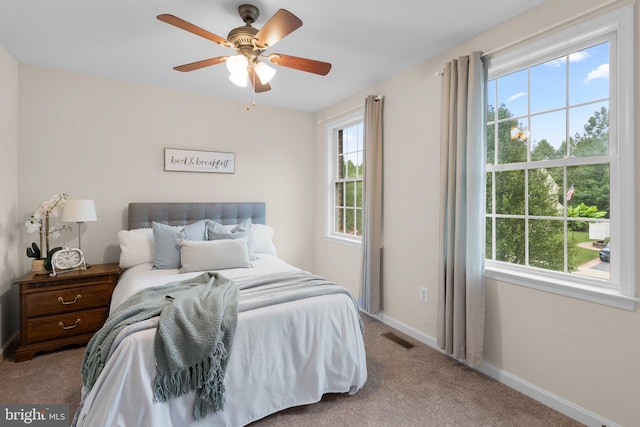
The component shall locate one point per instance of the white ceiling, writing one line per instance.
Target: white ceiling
(365, 40)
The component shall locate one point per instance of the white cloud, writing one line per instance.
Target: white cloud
(516, 96)
(556, 62)
(602, 72)
(579, 56)
(574, 57)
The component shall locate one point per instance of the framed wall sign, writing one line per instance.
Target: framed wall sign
(198, 161)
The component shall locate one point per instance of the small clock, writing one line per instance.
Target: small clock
(67, 259)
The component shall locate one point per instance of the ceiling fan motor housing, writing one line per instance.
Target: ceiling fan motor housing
(249, 13)
(242, 40)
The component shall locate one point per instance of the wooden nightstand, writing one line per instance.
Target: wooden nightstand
(62, 310)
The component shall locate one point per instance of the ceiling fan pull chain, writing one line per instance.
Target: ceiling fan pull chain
(252, 76)
(254, 90)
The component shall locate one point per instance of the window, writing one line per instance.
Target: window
(345, 171)
(557, 139)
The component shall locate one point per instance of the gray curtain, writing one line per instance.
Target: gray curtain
(461, 301)
(372, 206)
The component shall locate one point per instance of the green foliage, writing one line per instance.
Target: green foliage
(352, 199)
(591, 186)
(545, 190)
(510, 242)
(583, 211)
(509, 151)
(545, 151)
(47, 261)
(33, 251)
(581, 255)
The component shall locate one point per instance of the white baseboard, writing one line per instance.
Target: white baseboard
(543, 396)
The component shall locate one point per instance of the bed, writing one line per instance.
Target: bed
(283, 355)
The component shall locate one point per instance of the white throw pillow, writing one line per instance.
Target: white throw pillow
(136, 246)
(263, 240)
(213, 254)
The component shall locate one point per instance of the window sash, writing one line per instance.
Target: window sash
(341, 211)
(617, 28)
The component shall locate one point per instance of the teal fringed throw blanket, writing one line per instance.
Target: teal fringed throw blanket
(198, 319)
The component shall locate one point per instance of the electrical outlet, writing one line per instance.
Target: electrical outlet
(424, 294)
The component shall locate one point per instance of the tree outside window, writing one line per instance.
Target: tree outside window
(544, 194)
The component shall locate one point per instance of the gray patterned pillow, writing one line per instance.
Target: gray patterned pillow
(217, 231)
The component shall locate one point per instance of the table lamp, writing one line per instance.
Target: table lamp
(79, 211)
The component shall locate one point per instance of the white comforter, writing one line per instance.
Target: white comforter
(284, 355)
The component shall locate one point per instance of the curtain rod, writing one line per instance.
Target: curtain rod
(587, 12)
(350, 110)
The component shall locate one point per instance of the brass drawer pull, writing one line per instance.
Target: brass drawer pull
(75, 300)
(69, 327)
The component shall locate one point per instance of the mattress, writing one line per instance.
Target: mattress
(283, 355)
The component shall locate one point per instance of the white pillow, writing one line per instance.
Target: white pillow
(136, 246)
(263, 239)
(213, 254)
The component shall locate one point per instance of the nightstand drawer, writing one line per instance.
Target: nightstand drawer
(57, 311)
(64, 325)
(66, 300)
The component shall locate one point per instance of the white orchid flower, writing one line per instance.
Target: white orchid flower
(48, 208)
(32, 226)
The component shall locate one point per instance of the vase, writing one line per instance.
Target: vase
(37, 266)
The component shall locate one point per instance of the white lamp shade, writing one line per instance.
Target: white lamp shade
(237, 64)
(79, 211)
(264, 72)
(239, 79)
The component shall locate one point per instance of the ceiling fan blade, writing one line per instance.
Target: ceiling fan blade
(187, 26)
(302, 64)
(258, 86)
(200, 64)
(281, 24)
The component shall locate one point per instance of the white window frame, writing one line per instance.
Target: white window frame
(621, 126)
(331, 133)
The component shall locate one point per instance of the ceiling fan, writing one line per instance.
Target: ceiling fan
(250, 44)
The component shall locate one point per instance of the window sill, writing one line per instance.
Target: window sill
(344, 241)
(558, 286)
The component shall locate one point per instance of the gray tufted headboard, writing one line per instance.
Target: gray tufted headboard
(141, 215)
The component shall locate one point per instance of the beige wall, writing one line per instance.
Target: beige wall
(582, 352)
(103, 140)
(9, 270)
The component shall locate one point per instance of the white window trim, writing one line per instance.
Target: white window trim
(331, 127)
(621, 22)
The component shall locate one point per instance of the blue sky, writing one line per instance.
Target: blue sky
(588, 81)
(353, 143)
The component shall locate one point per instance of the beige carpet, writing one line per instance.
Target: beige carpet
(406, 387)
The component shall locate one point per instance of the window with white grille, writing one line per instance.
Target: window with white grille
(558, 131)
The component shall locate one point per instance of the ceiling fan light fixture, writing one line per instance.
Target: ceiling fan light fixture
(264, 72)
(237, 64)
(239, 79)
(249, 43)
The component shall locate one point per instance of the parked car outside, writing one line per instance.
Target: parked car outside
(604, 253)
